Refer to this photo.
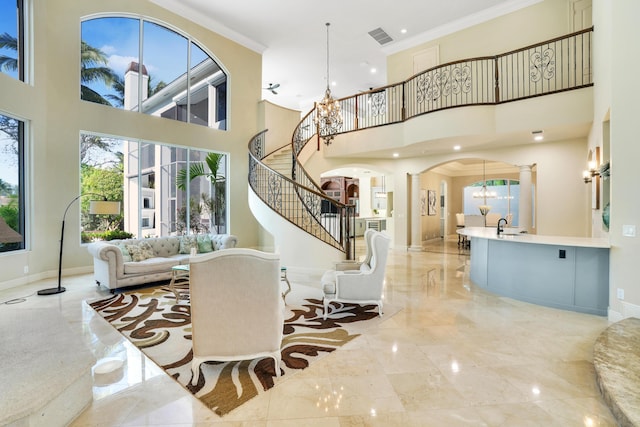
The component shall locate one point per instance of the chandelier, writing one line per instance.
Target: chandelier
(328, 116)
(484, 193)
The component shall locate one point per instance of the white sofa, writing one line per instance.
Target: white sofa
(130, 262)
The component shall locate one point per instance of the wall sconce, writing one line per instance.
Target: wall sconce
(593, 162)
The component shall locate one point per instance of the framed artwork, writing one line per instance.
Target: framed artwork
(431, 208)
(423, 202)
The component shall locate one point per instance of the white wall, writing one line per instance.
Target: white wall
(313, 257)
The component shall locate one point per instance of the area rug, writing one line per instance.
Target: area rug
(160, 327)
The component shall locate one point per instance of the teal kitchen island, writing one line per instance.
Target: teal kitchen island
(570, 273)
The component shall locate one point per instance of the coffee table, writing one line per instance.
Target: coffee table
(180, 273)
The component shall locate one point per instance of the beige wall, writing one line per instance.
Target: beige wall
(56, 116)
(625, 150)
(280, 123)
(431, 223)
(542, 21)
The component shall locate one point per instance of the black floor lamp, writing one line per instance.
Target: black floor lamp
(97, 207)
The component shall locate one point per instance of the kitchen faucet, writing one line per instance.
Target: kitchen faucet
(500, 229)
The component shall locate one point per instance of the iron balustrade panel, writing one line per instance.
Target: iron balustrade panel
(558, 65)
(470, 82)
(373, 108)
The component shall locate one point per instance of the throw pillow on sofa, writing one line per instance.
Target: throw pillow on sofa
(204, 243)
(141, 251)
(126, 256)
(186, 243)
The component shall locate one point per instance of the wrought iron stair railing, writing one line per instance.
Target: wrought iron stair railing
(309, 209)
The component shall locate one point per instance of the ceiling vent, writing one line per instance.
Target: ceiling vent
(380, 36)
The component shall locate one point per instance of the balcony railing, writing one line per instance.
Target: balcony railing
(556, 65)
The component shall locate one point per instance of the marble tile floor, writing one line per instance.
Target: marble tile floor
(454, 355)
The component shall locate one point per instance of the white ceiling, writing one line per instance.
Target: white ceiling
(291, 35)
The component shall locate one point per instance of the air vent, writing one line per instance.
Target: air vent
(380, 36)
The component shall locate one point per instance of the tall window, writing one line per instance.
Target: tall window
(165, 190)
(12, 188)
(12, 38)
(505, 202)
(140, 65)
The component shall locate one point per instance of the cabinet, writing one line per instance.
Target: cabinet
(378, 224)
(343, 189)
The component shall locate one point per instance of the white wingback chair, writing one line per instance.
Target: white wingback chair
(363, 286)
(236, 307)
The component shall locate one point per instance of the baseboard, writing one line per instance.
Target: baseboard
(25, 280)
(628, 310)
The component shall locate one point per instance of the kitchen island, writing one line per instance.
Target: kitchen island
(570, 273)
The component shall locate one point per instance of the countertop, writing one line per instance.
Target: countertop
(513, 235)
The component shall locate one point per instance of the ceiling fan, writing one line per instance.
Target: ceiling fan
(272, 87)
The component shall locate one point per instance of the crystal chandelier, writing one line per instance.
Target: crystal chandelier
(328, 116)
(484, 193)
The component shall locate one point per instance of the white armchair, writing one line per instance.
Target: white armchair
(363, 286)
(236, 307)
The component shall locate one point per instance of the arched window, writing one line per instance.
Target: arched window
(140, 65)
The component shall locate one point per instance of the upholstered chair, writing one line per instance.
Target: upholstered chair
(363, 286)
(236, 307)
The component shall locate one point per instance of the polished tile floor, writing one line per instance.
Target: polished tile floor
(453, 355)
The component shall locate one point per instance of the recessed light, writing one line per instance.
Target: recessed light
(537, 135)
(396, 154)
(457, 147)
(403, 31)
(333, 83)
(373, 70)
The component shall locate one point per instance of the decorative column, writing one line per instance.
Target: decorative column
(524, 218)
(416, 223)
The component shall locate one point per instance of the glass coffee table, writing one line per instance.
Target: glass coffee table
(179, 275)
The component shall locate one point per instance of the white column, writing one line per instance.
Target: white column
(416, 223)
(524, 218)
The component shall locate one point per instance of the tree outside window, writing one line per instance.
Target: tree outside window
(165, 190)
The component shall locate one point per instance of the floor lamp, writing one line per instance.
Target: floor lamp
(97, 207)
